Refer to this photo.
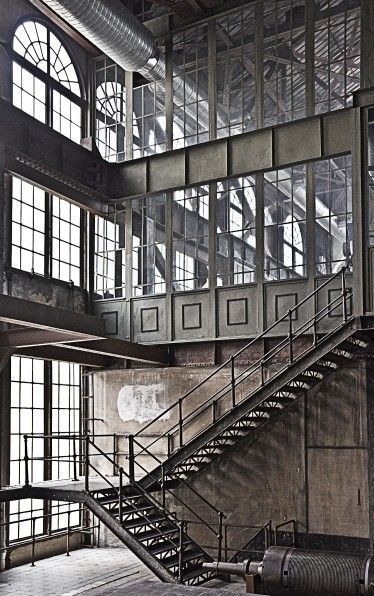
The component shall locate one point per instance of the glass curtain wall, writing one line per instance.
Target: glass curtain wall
(148, 246)
(190, 87)
(236, 231)
(284, 61)
(285, 223)
(337, 53)
(333, 210)
(236, 72)
(260, 72)
(109, 258)
(190, 218)
(149, 120)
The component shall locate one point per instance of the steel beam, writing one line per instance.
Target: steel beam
(248, 153)
(33, 314)
(28, 337)
(118, 348)
(64, 354)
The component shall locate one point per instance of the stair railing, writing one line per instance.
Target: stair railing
(183, 420)
(161, 505)
(91, 450)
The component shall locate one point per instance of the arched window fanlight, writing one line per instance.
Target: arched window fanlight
(42, 62)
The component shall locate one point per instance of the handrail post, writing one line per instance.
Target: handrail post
(33, 525)
(163, 485)
(180, 423)
(290, 337)
(315, 337)
(131, 459)
(87, 464)
(344, 295)
(226, 542)
(68, 537)
(214, 410)
(169, 444)
(120, 492)
(114, 454)
(220, 535)
(180, 552)
(233, 389)
(262, 373)
(26, 460)
(75, 471)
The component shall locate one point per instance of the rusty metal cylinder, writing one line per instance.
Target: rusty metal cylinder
(287, 571)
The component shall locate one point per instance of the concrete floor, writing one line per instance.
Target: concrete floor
(96, 572)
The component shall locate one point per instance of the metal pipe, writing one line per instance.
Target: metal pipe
(26, 460)
(110, 26)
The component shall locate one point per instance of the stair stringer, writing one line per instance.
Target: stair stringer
(325, 346)
(126, 538)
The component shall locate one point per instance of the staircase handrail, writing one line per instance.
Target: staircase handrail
(258, 364)
(181, 480)
(340, 273)
(255, 366)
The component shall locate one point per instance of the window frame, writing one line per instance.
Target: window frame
(49, 237)
(51, 84)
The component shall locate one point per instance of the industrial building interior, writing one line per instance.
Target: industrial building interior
(187, 297)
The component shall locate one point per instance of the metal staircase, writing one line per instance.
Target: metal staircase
(207, 421)
(145, 525)
(306, 345)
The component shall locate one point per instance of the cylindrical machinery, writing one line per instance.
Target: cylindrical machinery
(285, 571)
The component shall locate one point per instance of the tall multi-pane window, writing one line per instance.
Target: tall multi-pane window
(26, 417)
(190, 87)
(28, 226)
(110, 110)
(43, 68)
(337, 53)
(32, 230)
(284, 61)
(236, 57)
(333, 209)
(110, 261)
(149, 249)
(285, 222)
(236, 231)
(149, 120)
(33, 402)
(191, 239)
(66, 241)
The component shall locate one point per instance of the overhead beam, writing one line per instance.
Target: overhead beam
(33, 314)
(64, 354)
(27, 337)
(118, 348)
(240, 155)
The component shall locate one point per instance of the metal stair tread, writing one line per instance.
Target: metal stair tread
(143, 521)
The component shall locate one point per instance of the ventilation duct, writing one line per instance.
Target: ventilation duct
(116, 32)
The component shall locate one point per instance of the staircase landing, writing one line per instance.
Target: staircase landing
(65, 490)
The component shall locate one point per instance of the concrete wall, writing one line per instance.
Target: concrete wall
(309, 464)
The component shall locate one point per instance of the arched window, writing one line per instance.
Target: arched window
(45, 80)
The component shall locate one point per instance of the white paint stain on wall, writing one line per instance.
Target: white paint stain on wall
(141, 403)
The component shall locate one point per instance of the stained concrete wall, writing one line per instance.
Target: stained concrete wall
(309, 464)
